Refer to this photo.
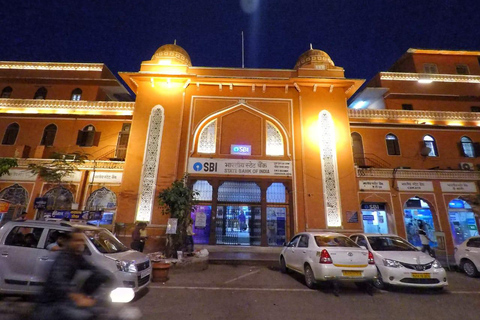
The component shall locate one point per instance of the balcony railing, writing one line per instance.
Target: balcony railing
(389, 114)
(418, 174)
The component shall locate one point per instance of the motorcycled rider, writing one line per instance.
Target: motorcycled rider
(61, 299)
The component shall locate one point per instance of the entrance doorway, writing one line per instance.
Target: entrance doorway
(374, 218)
(416, 210)
(238, 225)
(462, 221)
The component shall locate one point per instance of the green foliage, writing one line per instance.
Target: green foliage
(61, 166)
(6, 164)
(178, 201)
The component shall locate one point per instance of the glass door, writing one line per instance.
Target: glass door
(238, 225)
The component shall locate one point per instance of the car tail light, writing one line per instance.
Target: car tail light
(370, 258)
(325, 257)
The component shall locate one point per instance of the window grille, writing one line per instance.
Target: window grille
(274, 141)
(59, 198)
(276, 193)
(207, 140)
(15, 194)
(102, 198)
(204, 189)
(236, 191)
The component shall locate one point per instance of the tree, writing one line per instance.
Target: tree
(178, 200)
(61, 166)
(6, 164)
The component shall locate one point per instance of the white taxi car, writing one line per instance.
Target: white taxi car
(400, 263)
(467, 256)
(327, 256)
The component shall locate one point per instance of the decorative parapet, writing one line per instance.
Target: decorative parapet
(34, 106)
(389, 114)
(52, 66)
(88, 165)
(418, 174)
(434, 77)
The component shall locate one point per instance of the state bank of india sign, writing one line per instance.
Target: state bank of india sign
(239, 167)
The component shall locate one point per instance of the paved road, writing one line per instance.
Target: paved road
(245, 292)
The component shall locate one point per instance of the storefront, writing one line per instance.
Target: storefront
(416, 212)
(374, 218)
(246, 213)
(462, 221)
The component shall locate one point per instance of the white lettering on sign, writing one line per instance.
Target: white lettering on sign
(106, 177)
(19, 175)
(458, 186)
(240, 167)
(415, 185)
(374, 185)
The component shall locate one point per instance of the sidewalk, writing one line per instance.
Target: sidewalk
(236, 255)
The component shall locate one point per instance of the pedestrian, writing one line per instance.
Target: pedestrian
(139, 236)
(23, 216)
(424, 239)
(190, 235)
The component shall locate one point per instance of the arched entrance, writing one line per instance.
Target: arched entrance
(104, 200)
(462, 221)
(59, 198)
(415, 210)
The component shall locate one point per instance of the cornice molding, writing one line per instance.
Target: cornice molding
(400, 76)
(418, 174)
(390, 114)
(52, 66)
(87, 165)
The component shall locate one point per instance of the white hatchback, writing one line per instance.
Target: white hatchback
(323, 256)
(467, 256)
(400, 263)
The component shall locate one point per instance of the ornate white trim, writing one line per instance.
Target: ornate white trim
(418, 174)
(401, 76)
(64, 106)
(207, 139)
(328, 154)
(389, 114)
(274, 141)
(52, 66)
(87, 165)
(151, 160)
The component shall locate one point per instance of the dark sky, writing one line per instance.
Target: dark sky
(363, 36)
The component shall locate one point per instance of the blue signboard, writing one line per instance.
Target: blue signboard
(240, 149)
(368, 217)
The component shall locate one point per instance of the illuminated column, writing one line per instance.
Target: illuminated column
(328, 153)
(151, 159)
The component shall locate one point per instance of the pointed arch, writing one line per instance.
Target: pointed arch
(11, 133)
(41, 94)
(207, 140)
(102, 198)
(49, 134)
(59, 198)
(15, 194)
(6, 92)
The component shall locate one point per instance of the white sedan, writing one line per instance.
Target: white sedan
(327, 256)
(400, 263)
(467, 256)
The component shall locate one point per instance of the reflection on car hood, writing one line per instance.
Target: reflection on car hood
(411, 257)
(130, 255)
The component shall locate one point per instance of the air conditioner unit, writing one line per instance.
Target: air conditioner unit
(466, 166)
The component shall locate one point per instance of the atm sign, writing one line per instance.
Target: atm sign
(244, 150)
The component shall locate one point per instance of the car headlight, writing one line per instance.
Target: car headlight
(126, 266)
(436, 265)
(391, 263)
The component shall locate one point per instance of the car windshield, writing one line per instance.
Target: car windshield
(105, 242)
(334, 241)
(390, 244)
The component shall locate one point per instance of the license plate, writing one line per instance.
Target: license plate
(348, 273)
(144, 274)
(421, 275)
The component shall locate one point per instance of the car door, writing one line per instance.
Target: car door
(290, 252)
(19, 253)
(472, 251)
(302, 253)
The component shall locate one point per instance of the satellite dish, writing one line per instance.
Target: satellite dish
(425, 151)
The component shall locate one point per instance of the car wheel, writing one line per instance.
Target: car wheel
(309, 277)
(283, 265)
(378, 281)
(469, 268)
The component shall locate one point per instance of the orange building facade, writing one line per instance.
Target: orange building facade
(271, 152)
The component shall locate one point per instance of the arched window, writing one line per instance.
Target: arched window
(204, 189)
(11, 134)
(40, 94)
(102, 198)
(77, 94)
(393, 148)
(207, 139)
(357, 148)
(274, 141)
(15, 194)
(239, 191)
(429, 142)
(59, 198)
(276, 193)
(49, 135)
(467, 147)
(6, 92)
(88, 137)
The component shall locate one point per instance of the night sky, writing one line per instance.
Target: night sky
(363, 36)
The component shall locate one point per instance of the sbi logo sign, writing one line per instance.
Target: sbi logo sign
(197, 166)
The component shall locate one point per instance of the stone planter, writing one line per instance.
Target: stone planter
(160, 271)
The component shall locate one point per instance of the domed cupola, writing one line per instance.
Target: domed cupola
(315, 59)
(172, 54)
